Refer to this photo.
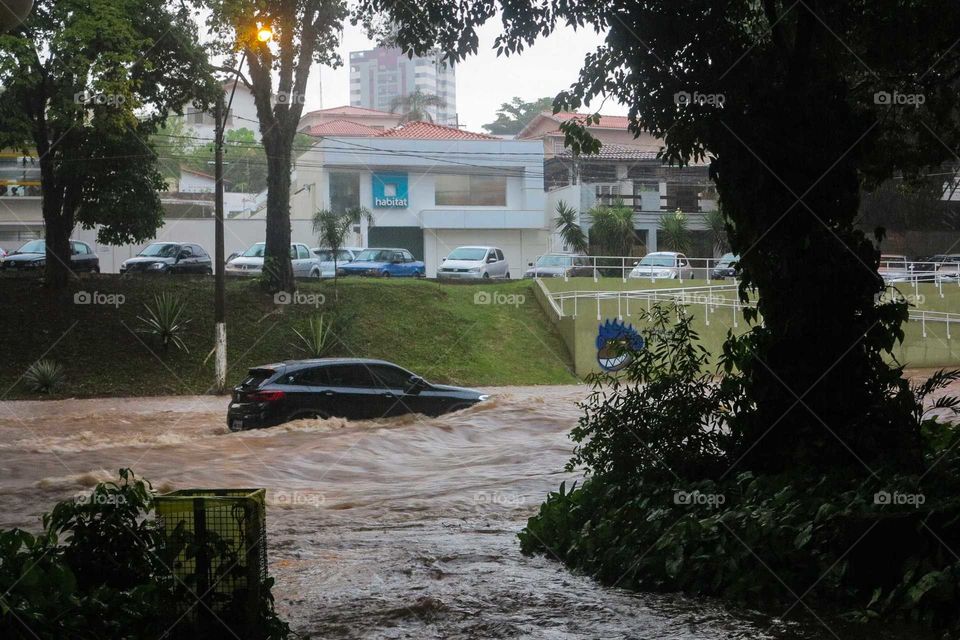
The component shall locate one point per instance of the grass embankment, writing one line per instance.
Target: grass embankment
(438, 331)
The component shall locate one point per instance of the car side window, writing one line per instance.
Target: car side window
(344, 256)
(491, 254)
(499, 255)
(186, 251)
(349, 375)
(386, 377)
(398, 257)
(407, 256)
(198, 250)
(313, 377)
(302, 250)
(79, 249)
(293, 252)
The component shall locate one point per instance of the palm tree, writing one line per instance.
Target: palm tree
(612, 230)
(674, 231)
(414, 106)
(569, 227)
(332, 228)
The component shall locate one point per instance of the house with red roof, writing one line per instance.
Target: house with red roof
(315, 122)
(429, 188)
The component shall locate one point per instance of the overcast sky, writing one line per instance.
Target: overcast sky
(484, 81)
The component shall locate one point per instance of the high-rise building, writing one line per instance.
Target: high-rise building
(377, 76)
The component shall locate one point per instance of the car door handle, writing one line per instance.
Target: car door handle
(387, 394)
(329, 394)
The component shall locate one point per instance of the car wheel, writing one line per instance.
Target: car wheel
(315, 274)
(507, 276)
(308, 415)
(486, 276)
(208, 271)
(385, 274)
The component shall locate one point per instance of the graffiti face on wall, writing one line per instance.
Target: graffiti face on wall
(615, 342)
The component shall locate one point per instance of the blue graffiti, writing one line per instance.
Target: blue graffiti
(615, 342)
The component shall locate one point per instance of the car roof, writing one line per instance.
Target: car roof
(313, 362)
(385, 249)
(476, 246)
(663, 253)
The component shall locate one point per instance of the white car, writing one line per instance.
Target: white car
(662, 265)
(250, 262)
(474, 263)
(326, 262)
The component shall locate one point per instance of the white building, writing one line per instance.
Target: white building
(377, 76)
(431, 189)
(242, 114)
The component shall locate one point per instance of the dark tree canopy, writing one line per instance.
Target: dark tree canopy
(797, 106)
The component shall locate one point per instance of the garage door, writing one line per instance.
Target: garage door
(410, 238)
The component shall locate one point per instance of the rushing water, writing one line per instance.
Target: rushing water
(403, 528)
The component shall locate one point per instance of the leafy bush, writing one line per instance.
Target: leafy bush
(101, 570)
(663, 509)
(44, 376)
(164, 320)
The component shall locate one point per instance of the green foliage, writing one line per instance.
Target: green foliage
(164, 320)
(513, 116)
(612, 232)
(414, 106)
(674, 231)
(100, 569)
(44, 376)
(317, 339)
(717, 228)
(567, 223)
(332, 229)
(86, 85)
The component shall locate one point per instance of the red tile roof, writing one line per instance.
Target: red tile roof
(343, 128)
(347, 110)
(606, 122)
(429, 131)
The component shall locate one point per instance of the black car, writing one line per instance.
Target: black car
(726, 267)
(351, 388)
(170, 257)
(33, 256)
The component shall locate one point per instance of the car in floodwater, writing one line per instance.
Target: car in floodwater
(351, 388)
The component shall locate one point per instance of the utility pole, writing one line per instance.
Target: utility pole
(219, 313)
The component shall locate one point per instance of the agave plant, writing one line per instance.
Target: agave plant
(44, 376)
(317, 340)
(165, 321)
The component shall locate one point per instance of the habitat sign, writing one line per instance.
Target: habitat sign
(390, 191)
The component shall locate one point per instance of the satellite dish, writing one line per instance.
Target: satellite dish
(13, 13)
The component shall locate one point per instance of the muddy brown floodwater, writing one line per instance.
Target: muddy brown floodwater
(404, 528)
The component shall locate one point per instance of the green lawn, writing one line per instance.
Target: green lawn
(440, 332)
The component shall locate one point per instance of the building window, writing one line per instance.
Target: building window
(608, 192)
(685, 197)
(344, 191)
(471, 191)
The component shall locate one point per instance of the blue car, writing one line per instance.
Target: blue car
(384, 263)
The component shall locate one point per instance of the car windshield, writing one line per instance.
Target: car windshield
(34, 246)
(375, 255)
(256, 251)
(554, 261)
(325, 255)
(161, 250)
(467, 253)
(658, 261)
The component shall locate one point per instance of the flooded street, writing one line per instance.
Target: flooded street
(403, 528)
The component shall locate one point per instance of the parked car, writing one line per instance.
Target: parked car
(893, 268)
(385, 263)
(250, 262)
(325, 259)
(169, 257)
(33, 255)
(726, 267)
(474, 263)
(354, 388)
(661, 265)
(560, 265)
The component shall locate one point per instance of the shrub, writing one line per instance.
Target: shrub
(44, 376)
(317, 339)
(100, 569)
(164, 320)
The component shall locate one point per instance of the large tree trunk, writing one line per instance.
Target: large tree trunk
(278, 272)
(58, 223)
(817, 377)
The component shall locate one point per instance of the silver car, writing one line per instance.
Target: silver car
(474, 263)
(662, 265)
(250, 262)
(326, 262)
